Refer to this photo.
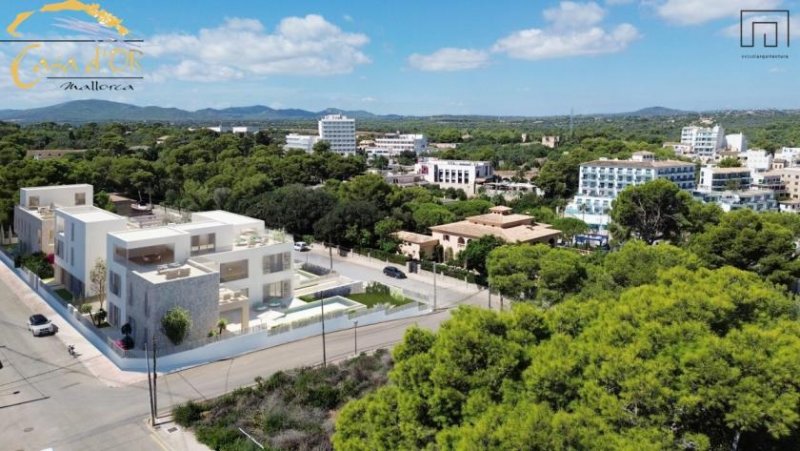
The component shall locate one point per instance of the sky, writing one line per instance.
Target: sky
(501, 57)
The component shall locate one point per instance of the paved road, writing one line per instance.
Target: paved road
(449, 292)
(63, 405)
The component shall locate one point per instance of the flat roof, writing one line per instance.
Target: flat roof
(226, 217)
(90, 214)
(160, 276)
(638, 164)
(727, 170)
(148, 234)
(56, 187)
(199, 225)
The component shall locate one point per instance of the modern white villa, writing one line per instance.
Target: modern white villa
(34, 218)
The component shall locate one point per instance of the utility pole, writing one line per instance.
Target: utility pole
(324, 353)
(355, 337)
(330, 255)
(155, 387)
(489, 290)
(434, 286)
(149, 384)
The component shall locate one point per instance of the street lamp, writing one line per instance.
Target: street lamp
(355, 337)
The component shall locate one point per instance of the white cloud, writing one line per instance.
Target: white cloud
(574, 15)
(573, 31)
(696, 12)
(449, 59)
(369, 99)
(238, 48)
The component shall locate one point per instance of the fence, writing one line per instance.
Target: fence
(210, 349)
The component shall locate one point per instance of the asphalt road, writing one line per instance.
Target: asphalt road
(50, 400)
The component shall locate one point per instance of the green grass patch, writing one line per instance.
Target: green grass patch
(373, 299)
(308, 298)
(64, 294)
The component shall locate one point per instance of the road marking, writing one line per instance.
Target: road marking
(160, 443)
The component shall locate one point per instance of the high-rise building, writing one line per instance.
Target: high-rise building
(340, 132)
(705, 141)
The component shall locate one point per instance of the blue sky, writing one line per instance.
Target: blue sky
(420, 57)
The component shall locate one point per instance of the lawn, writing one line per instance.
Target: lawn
(290, 410)
(373, 299)
(64, 294)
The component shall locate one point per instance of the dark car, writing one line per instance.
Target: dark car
(391, 271)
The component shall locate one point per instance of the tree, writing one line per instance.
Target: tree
(428, 214)
(570, 228)
(513, 269)
(380, 162)
(175, 324)
(730, 162)
(348, 224)
(97, 278)
(406, 158)
(221, 325)
(655, 210)
(477, 252)
(697, 359)
(745, 240)
(637, 263)
(322, 147)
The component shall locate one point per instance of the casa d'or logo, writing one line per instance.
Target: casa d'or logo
(111, 63)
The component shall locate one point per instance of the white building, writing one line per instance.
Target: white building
(769, 181)
(34, 216)
(220, 129)
(302, 142)
(602, 180)
(790, 154)
(80, 241)
(243, 130)
(458, 174)
(724, 179)
(736, 142)
(218, 264)
(758, 160)
(396, 143)
(340, 132)
(756, 200)
(705, 141)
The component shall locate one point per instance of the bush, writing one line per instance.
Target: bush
(38, 264)
(187, 414)
(176, 324)
(377, 288)
(86, 309)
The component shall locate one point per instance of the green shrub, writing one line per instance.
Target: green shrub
(187, 414)
(86, 309)
(176, 324)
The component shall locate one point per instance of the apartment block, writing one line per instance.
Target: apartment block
(736, 142)
(302, 142)
(724, 179)
(396, 143)
(705, 141)
(758, 160)
(219, 264)
(602, 180)
(790, 177)
(458, 174)
(80, 241)
(34, 216)
(340, 132)
(756, 200)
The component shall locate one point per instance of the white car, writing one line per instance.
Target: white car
(39, 325)
(301, 246)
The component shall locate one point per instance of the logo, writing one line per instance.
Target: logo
(107, 60)
(771, 24)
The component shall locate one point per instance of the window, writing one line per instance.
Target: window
(72, 256)
(204, 244)
(231, 271)
(146, 306)
(113, 283)
(277, 291)
(130, 293)
(59, 249)
(33, 201)
(80, 198)
(277, 262)
(72, 232)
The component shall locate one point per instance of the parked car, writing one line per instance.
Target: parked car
(301, 246)
(39, 325)
(391, 271)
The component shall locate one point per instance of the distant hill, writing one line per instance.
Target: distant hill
(81, 111)
(656, 111)
(104, 111)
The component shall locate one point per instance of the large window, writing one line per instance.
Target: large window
(80, 198)
(204, 244)
(229, 272)
(150, 255)
(114, 283)
(33, 201)
(277, 291)
(277, 262)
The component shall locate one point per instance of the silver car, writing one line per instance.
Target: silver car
(39, 325)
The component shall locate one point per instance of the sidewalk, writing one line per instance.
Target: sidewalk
(97, 363)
